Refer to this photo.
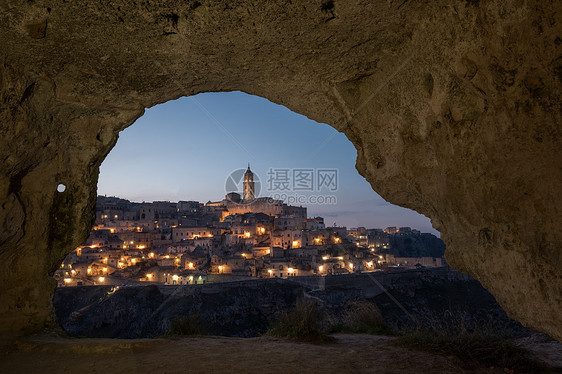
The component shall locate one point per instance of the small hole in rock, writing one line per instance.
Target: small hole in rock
(61, 187)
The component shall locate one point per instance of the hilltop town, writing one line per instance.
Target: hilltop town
(237, 238)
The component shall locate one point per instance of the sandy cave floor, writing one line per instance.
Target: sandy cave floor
(349, 354)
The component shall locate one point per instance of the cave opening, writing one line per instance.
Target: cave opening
(454, 108)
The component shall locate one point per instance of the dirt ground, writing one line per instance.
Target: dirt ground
(349, 354)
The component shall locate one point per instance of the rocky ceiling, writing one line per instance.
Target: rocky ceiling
(453, 107)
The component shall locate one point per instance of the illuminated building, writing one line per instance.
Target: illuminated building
(249, 185)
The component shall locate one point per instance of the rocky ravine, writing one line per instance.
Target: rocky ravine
(249, 308)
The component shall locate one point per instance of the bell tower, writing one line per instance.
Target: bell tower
(249, 184)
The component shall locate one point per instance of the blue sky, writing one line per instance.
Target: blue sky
(185, 149)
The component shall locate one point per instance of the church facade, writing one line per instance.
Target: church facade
(235, 204)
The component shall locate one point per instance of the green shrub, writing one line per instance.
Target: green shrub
(363, 317)
(301, 323)
(189, 325)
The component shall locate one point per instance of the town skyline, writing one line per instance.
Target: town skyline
(311, 215)
(240, 237)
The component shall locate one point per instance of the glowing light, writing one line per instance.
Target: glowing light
(325, 258)
(370, 264)
(220, 268)
(261, 230)
(340, 258)
(131, 242)
(133, 261)
(295, 243)
(191, 278)
(243, 255)
(190, 265)
(270, 272)
(115, 216)
(337, 240)
(73, 272)
(247, 234)
(175, 277)
(67, 280)
(350, 265)
(142, 246)
(291, 270)
(321, 268)
(151, 255)
(104, 270)
(210, 235)
(101, 279)
(89, 271)
(149, 276)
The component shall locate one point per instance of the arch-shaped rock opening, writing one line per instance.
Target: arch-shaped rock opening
(453, 107)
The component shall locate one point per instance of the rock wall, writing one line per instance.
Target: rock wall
(453, 107)
(241, 309)
(250, 308)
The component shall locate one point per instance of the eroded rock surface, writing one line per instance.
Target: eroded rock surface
(453, 107)
(433, 298)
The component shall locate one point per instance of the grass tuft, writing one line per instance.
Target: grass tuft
(363, 317)
(182, 326)
(301, 324)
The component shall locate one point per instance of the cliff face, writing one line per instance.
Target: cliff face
(247, 309)
(420, 245)
(146, 312)
(453, 107)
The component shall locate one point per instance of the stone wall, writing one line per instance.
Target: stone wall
(453, 107)
(250, 308)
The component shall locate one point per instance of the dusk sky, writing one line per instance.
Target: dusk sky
(186, 149)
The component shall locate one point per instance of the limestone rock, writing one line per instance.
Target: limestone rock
(453, 106)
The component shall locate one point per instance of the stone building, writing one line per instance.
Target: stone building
(249, 185)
